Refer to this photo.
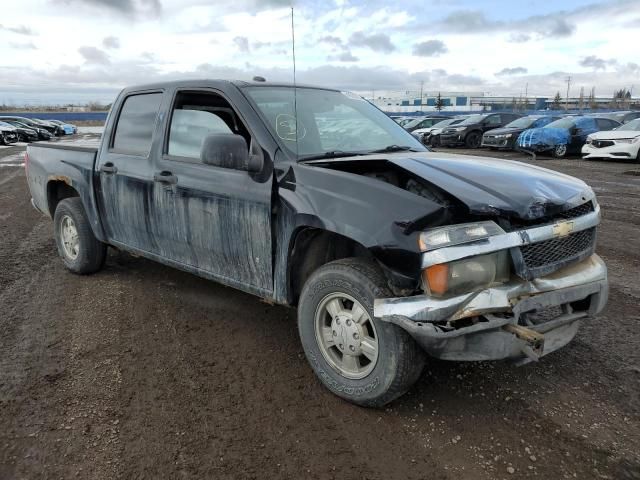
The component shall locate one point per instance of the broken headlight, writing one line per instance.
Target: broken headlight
(457, 234)
(466, 275)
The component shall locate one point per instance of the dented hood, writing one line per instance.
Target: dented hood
(497, 187)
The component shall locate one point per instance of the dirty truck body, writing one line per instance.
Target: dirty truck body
(388, 250)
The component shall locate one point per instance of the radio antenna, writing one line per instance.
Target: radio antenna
(295, 94)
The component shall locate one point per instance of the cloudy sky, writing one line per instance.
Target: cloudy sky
(80, 50)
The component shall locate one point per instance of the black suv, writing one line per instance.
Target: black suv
(469, 132)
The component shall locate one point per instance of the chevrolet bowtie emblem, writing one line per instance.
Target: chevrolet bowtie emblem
(562, 229)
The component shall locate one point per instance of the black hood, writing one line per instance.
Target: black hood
(490, 187)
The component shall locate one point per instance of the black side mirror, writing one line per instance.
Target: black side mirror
(228, 150)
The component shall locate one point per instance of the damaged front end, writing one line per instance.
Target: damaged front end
(472, 309)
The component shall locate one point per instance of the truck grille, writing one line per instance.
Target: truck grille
(542, 258)
(557, 250)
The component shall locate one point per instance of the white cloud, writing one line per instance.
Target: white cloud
(341, 44)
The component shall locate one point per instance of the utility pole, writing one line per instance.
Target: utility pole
(526, 91)
(566, 102)
(421, 87)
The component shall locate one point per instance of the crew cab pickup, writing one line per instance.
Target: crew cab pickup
(314, 198)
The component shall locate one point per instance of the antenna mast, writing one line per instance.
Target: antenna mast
(295, 93)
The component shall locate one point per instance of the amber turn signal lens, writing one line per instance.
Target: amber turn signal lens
(437, 277)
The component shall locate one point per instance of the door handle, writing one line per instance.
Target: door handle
(108, 168)
(165, 177)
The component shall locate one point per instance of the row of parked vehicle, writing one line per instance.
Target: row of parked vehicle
(606, 135)
(21, 129)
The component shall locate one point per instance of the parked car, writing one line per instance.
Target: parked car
(422, 122)
(622, 117)
(469, 132)
(24, 133)
(431, 135)
(43, 132)
(505, 138)
(388, 250)
(621, 142)
(8, 134)
(69, 129)
(53, 128)
(565, 136)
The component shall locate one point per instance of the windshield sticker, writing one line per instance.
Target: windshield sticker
(286, 127)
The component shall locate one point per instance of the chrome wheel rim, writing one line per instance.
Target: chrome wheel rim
(69, 234)
(561, 150)
(346, 335)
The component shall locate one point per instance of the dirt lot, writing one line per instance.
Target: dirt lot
(142, 371)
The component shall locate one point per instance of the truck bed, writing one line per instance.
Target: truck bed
(80, 145)
(62, 164)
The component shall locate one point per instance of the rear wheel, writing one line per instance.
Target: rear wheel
(356, 356)
(473, 140)
(78, 247)
(559, 151)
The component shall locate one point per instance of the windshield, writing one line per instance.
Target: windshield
(448, 121)
(473, 119)
(5, 124)
(633, 125)
(328, 122)
(524, 122)
(566, 122)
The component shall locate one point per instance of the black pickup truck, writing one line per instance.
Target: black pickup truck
(314, 198)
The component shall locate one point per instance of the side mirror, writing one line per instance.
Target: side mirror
(228, 150)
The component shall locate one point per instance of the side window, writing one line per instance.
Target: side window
(134, 129)
(603, 124)
(196, 115)
(494, 120)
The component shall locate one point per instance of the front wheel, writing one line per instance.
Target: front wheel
(78, 247)
(473, 140)
(356, 356)
(559, 151)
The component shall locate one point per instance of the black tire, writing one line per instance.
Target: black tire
(435, 141)
(560, 151)
(400, 360)
(91, 252)
(473, 140)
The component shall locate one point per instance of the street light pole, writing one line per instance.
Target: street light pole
(566, 102)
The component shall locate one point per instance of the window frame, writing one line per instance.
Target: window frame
(167, 127)
(114, 129)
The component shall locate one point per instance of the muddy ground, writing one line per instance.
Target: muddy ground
(141, 371)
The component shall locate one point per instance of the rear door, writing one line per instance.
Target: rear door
(208, 218)
(125, 181)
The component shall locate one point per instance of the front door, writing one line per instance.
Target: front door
(211, 219)
(125, 185)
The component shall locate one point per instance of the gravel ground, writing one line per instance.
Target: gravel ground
(141, 371)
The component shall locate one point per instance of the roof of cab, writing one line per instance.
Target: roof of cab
(210, 82)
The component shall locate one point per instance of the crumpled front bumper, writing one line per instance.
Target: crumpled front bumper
(486, 325)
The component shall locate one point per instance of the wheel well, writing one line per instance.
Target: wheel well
(58, 190)
(314, 247)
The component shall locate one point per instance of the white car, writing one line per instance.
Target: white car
(622, 142)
